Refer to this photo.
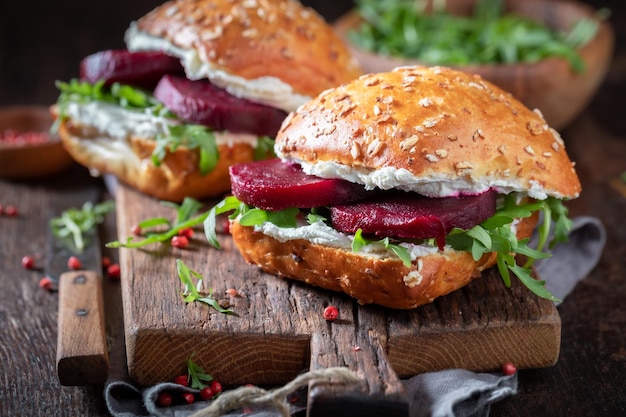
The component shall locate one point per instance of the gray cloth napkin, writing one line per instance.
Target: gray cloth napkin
(448, 393)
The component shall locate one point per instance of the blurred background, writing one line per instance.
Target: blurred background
(44, 41)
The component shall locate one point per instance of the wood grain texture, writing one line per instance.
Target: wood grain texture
(82, 353)
(278, 329)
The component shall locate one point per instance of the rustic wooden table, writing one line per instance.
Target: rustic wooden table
(39, 44)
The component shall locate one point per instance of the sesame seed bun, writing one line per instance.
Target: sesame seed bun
(432, 130)
(277, 52)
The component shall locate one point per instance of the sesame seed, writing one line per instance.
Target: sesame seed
(376, 110)
(441, 153)
(430, 122)
(547, 154)
(535, 128)
(502, 149)
(374, 148)
(463, 167)
(453, 138)
(355, 151)
(555, 146)
(370, 81)
(529, 150)
(407, 143)
(540, 165)
(431, 158)
(425, 102)
(478, 134)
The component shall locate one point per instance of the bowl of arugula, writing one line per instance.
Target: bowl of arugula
(551, 55)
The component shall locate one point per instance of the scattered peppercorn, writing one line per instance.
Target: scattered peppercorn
(188, 397)
(509, 369)
(216, 387)
(180, 242)
(113, 271)
(187, 232)
(182, 380)
(74, 263)
(206, 393)
(10, 211)
(136, 230)
(231, 292)
(45, 283)
(106, 262)
(28, 262)
(331, 313)
(164, 399)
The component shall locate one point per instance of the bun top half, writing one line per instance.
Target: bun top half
(432, 130)
(276, 52)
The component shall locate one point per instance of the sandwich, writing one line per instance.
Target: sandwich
(201, 85)
(401, 187)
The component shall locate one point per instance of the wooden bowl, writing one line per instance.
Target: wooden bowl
(30, 160)
(549, 85)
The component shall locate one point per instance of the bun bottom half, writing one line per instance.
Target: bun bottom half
(177, 176)
(371, 280)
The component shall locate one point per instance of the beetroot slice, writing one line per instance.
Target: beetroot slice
(203, 103)
(141, 69)
(276, 185)
(409, 215)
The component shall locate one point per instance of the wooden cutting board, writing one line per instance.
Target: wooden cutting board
(278, 330)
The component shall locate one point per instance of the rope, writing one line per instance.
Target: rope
(255, 396)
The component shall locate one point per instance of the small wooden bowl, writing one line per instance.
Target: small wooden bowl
(549, 85)
(30, 160)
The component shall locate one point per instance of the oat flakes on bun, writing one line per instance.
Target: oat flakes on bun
(400, 187)
(201, 85)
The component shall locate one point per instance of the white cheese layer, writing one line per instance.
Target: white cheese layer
(120, 124)
(431, 186)
(266, 90)
(320, 233)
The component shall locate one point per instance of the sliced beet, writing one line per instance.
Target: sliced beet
(141, 69)
(203, 103)
(276, 185)
(409, 215)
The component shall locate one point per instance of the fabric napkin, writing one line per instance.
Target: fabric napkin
(448, 393)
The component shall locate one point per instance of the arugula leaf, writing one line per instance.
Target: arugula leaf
(497, 236)
(264, 148)
(73, 222)
(358, 242)
(197, 375)
(250, 216)
(185, 218)
(192, 293)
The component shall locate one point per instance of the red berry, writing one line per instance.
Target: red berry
(331, 313)
(10, 211)
(180, 242)
(189, 397)
(45, 283)
(182, 380)
(206, 393)
(509, 369)
(216, 387)
(164, 399)
(28, 262)
(187, 232)
(113, 271)
(136, 230)
(74, 263)
(106, 262)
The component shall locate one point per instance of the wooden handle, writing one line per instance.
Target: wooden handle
(380, 392)
(82, 354)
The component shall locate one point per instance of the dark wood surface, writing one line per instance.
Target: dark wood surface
(42, 42)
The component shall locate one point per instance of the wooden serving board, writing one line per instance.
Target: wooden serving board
(278, 330)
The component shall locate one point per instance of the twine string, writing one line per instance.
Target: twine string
(255, 396)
